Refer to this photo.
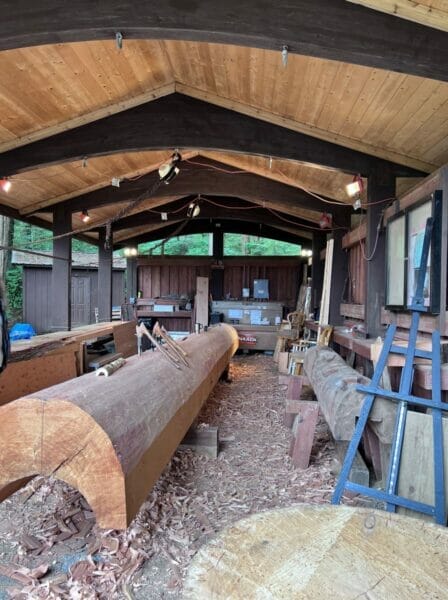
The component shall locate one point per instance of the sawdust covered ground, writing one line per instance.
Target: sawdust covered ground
(50, 547)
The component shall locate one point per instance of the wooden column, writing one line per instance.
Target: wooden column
(131, 278)
(317, 269)
(381, 185)
(104, 278)
(217, 274)
(339, 272)
(61, 273)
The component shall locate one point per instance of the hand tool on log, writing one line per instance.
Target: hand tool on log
(161, 333)
(111, 438)
(163, 349)
(110, 368)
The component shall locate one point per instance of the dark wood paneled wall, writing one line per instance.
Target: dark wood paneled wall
(38, 303)
(357, 274)
(162, 280)
(161, 277)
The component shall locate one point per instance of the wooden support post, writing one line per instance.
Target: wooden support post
(104, 277)
(339, 272)
(381, 185)
(111, 437)
(217, 274)
(303, 431)
(293, 394)
(61, 273)
(283, 361)
(201, 301)
(131, 278)
(317, 270)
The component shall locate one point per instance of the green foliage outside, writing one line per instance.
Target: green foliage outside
(185, 245)
(28, 237)
(234, 245)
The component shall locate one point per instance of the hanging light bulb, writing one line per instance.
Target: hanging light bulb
(5, 184)
(325, 221)
(356, 187)
(85, 217)
(169, 170)
(193, 210)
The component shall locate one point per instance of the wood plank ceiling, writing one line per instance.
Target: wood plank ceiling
(47, 89)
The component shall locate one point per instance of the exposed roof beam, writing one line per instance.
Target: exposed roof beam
(307, 129)
(333, 29)
(193, 179)
(418, 12)
(39, 206)
(229, 209)
(124, 234)
(205, 226)
(179, 121)
(89, 117)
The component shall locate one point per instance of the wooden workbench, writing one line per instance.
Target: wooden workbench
(52, 358)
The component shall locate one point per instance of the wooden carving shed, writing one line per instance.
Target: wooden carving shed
(268, 110)
(78, 107)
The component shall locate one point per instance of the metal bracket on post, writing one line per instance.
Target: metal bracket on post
(403, 397)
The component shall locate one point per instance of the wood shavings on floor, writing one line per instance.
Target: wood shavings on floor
(51, 548)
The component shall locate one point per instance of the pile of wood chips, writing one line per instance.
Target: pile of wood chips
(54, 550)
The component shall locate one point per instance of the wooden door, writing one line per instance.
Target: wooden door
(80, 301)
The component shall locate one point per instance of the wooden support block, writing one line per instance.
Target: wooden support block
(359, 472)
(203, 440)
(283, 379)
(372, 450)
(303, 431)
(293, 399)
(283, 361)
(294, 390)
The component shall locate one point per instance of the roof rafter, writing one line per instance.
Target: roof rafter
(418, 12)
(178, 121)
(333, 29)
(216, 208)
(285, 234)
(194, 179)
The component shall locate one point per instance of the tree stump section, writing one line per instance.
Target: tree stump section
(315, 552)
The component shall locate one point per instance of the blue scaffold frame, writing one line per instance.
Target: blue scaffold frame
(403, 398)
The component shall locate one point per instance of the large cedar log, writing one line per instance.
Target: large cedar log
(334, 384)
(111, 437)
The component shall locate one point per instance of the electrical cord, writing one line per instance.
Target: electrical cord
(375, 245)
(4, 335)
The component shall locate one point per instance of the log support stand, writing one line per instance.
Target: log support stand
(303, 430)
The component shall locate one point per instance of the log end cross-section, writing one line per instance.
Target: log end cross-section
(57, 438)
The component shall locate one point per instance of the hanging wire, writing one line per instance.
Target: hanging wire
(375, 245)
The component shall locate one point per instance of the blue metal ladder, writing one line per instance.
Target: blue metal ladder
(403, 397)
